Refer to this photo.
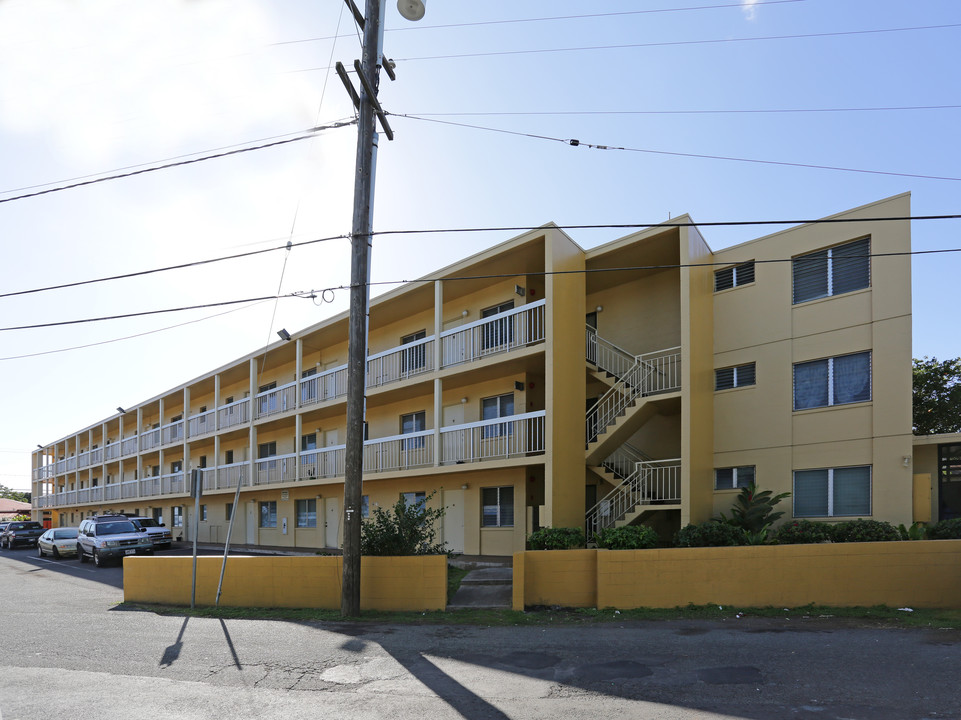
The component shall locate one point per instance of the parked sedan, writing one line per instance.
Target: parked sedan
(59, 542)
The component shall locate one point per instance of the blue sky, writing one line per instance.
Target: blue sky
(89, 88)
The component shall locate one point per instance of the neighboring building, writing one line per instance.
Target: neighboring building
(12, 508)
(785, 360)
(937, 479)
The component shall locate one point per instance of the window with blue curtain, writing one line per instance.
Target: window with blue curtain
(832, 381)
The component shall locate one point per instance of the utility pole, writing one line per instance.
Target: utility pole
(360, 241)
(369, 110)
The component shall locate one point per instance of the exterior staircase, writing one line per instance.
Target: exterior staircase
(636, 385)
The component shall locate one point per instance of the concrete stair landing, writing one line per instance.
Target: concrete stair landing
(485, 588)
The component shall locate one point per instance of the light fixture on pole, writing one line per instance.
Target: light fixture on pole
(284, 335)
(411, 9)
(121, 411)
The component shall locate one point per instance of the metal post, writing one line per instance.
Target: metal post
(359, 306)
(197, 487)
(230, 527)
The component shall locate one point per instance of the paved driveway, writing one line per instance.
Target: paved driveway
(70, 652)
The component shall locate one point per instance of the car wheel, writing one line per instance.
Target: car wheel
(97, 560)
(40, 550)
(83, 558)
(56, 553)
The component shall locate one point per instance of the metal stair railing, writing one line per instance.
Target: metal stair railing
(652, 373)
(657, 480)
(606, 355)
(623, 461)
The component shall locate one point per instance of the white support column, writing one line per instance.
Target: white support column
(217, 405)
(438, 383)
(252, 435)
(298, 369)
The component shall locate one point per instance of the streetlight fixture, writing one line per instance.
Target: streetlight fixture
(411, 9)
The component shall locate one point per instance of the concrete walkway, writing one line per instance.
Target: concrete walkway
(489, 584)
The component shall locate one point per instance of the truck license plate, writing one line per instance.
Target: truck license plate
(129, 552)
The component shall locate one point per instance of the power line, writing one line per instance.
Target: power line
(181, 266)
(669, 43)
(506, 228)
(309, 134)
(125, 337)
(687, 112)
(593, 146)
(303, 294)
(490, 276)
(587, 16)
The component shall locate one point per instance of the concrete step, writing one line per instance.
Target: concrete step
(485, 588)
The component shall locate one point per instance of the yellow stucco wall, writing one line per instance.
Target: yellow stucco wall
(555, 577)
(914, 574)
(387, 583)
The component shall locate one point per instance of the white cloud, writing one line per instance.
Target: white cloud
(748, 7)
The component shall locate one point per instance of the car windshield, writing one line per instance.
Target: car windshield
(147, 522)
(115, 528)
(65, 534)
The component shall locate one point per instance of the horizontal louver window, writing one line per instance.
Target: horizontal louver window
(733, 477)
(734, 276)
(833, 492)
(832, 381)
(837, 270)
(732, 377)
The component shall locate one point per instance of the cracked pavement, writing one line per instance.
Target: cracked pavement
(75, 650)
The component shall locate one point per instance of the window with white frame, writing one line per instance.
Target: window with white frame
(414, 358)
(832, 381)
(734, 276)
(832, 271)
(733, 477)
(497, 333)
(413, 498)
(268, 514)
(733, 377)
(307, 513)
(497, 407)
(832, 492)
(413, 423)
(365, 506)
(498, 507)
(178, 516)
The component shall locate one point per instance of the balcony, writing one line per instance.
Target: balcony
(324, 386)
(234, 414)
(515, 436)
(401, 363)
(499, 333)
(276, 400)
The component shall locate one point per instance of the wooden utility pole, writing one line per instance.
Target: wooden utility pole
(360, 302)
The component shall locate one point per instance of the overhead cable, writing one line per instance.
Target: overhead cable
(574, 142)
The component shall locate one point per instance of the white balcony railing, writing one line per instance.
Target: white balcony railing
(173, 432)
(128, 446)
(275, 469)
(149, 439)
(276, 400)
(111, 492)
(236, 413)
(507, 437)
(499, 333)
(111, 451)
(327, 385)
(399, 452)
(606, 355)
(201, 423)
(400, 363)
(324, 463)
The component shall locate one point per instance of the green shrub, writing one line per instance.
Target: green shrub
(864, 531)
(402, 530)
(753, 510)
(917, 531)
(946, 530)
(556, 539)
(801, 532)
(630, 537)
(710, 534)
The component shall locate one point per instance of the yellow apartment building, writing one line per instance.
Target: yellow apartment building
(540, 384)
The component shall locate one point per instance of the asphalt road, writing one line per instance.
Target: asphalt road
(70, 652)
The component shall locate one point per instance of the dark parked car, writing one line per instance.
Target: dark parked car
(21, 533)
(111, 537)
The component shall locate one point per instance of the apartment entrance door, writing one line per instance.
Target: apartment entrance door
(454, 520)
(251, 536)
(331, 522)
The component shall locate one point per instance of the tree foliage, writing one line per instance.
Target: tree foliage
(402, 530)
(753, 510)
(9, 494)
(937, 396)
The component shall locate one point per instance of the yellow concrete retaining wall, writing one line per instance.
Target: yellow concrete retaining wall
(913, 574)
(387, 583)
(555, 577)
